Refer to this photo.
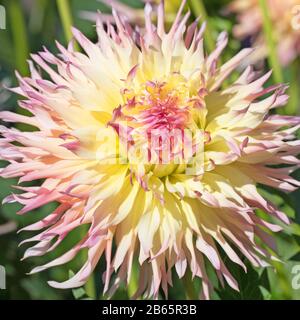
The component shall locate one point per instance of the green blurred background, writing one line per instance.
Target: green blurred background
(32, 24)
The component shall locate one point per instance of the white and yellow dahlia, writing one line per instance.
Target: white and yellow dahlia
(136, 139)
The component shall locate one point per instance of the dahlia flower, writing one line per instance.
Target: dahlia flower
(285, 21)
(137, 139)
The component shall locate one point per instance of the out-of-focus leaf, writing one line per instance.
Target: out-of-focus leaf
(249, 284)
(78, 293)
(266, 294)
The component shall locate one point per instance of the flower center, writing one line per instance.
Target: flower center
(158, 123)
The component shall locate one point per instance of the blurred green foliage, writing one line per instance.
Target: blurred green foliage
(32, 24)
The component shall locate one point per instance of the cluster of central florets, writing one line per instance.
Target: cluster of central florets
(160, 122)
